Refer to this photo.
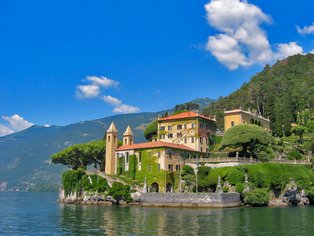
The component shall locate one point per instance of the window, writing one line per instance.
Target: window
(140, 157)
(162, 128)
(201, 149)
(114, 139)
(170, 155)
(192, 125)
(201, 126)
(179, 135)
(185, 126)
(125, 141)
(192, 139)
(127, 157)
(158, 167)
(170, 135)
(201, 140)
(169, 127)
(179, 127)
(158, 154)
(162, 136)
(232, 123)
(108, 138)
(207, 150)
(207, 127)
(177, 167)
(185, 140)
(170, 167)
(149, 168)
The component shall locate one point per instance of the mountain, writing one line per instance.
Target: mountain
(280, 92)
(25, 156)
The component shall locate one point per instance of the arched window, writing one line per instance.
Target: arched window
(108, 138)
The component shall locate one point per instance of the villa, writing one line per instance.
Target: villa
(179, 136)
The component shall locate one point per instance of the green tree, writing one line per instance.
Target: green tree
(246, 136)
(299, 131)
(82, 155)
(151, 130)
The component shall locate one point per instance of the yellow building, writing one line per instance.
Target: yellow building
(239, 116)
(188, 128)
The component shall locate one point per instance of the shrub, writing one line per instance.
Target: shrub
(294, 155)
(120, 191)
(98, 184)
(310, 194)
(257, 197)
(72, 181)
(234, 176)
(225, 189)
(187, 170)
(239, 187)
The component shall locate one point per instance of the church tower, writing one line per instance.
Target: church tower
(128, 136)
(111, 147)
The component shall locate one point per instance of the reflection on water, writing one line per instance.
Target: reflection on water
(173, 221)
(40, 214)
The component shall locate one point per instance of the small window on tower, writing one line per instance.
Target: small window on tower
(108, 138)
(232, 123)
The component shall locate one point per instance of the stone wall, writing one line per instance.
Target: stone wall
(191, 199)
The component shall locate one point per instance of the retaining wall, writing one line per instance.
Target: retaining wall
(191, 199)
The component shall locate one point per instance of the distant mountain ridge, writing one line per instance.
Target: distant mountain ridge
(25, 156)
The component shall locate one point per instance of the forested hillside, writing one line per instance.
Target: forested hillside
(283, 92)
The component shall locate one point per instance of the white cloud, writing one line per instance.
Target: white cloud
(102, 81)
(242, 41)
(285, 50)
(87, 91)
(112, 100)
(123, 108)
(306, 29)
(94, 90)
(4, 130)
(15, 123)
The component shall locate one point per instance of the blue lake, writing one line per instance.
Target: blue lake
(40, 214)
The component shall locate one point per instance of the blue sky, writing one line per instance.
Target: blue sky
(67, 61)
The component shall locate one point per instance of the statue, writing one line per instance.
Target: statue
(218, 188)
(246, 184)
(145, 186)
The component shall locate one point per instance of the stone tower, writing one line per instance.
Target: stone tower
(111, 147)
(128, 136)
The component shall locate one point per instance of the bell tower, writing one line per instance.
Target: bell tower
(128, 136)
(111, 147)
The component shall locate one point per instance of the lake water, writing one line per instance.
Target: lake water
(40, 214)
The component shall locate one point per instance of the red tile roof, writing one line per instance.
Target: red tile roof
(157, 144)
(186, 115)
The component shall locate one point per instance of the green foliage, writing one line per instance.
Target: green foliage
(187, 170)
(299, 131)
(239, 187)
(246, 136)
(120, 191)
(279, 92)
(294, 155)
(189, 106)
(132, 166)
(151, 130)
(213, 174)
(94, 183)
(257, 197)
(72, 182)
(310, 194)
(234, 176)
(82, 155)
(225, 189)
(310, 126)
(75, 181)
